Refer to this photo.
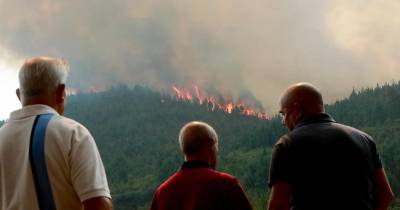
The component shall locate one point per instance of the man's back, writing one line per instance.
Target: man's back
(328, 165)
(74, 166)
(197, 187)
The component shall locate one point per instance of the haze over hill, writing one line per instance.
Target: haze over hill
(235, 47)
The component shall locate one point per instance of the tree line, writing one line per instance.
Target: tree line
(136, 130)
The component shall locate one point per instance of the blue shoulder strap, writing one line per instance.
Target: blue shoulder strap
(38, 163)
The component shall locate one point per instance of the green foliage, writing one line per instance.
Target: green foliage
(387, 137)
(137, 129)
(369, 106)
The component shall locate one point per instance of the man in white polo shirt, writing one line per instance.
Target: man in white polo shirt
(75, 172)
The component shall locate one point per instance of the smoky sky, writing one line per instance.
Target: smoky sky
(255, 48)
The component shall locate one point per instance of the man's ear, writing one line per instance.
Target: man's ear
(60, 93)
(18, 92)
(298, 110)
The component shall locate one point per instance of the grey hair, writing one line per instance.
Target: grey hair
(42, 75)
(196, 134)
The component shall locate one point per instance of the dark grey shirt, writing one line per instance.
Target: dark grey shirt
(327, 164)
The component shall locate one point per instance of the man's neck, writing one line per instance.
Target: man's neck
(195, 164)
(36, 101)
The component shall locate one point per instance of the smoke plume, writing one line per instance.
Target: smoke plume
(251, 49)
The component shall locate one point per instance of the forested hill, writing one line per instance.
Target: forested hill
(137, 134)
(136, 131)
(369, 106)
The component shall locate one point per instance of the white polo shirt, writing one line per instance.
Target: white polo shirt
(74, 166)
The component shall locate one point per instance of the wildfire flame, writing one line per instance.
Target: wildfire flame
(213, 104)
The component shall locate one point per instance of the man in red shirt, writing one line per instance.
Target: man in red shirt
(197, 186)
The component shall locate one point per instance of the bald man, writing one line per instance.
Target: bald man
(321, 164)
(197, 186)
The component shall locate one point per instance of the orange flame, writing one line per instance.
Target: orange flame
(229, 107)
(212, 104)
(198, 96)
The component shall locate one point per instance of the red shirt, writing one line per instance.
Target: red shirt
(197, 187)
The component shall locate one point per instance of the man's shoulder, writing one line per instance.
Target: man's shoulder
(207, 175)
(284, 140)
(350, 128)
(65, 126)
(312, 128)
(225, 176)
(222, 180)
(169, 180)
(61, 122)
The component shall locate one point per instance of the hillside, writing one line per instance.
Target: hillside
(369, 106)
(137, 136)
(137, 129)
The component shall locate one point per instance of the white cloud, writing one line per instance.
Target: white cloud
(8, 83)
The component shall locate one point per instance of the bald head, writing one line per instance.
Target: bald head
(306, 95)
(299, 101)
(197, 137)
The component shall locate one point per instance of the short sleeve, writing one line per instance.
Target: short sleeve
(154, 203)
(230, 195)
(239, 197)
(376, 160)
(279, 170)
(87, 171)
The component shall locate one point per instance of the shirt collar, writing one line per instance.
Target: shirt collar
(195, 164)
(316, 118)
(31, 110)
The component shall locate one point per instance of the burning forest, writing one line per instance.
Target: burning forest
(215, 102)
(212, 100)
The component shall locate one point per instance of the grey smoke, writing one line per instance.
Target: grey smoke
(239, 48)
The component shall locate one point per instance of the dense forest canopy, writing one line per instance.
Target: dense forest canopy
(136, 131)
(137, 134)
